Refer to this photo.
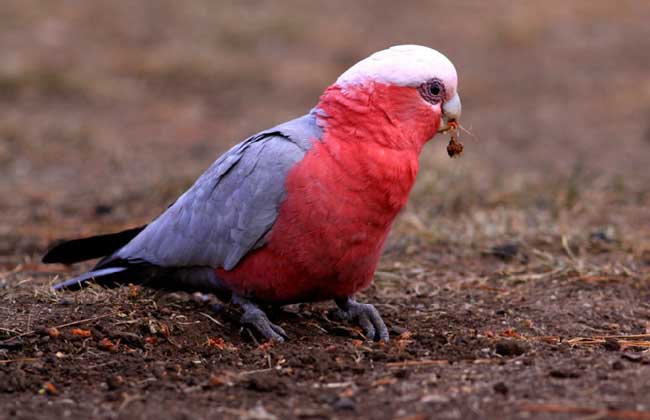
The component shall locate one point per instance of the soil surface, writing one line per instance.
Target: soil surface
(515, 285)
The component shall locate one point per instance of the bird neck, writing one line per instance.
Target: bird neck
(393, 117)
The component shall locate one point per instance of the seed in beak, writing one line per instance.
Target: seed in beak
(454, 148)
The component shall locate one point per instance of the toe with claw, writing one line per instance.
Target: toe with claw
(256, 318)
(366, 315)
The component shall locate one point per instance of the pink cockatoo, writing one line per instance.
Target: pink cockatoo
(299, 212)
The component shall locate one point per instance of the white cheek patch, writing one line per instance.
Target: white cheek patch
(403, 65)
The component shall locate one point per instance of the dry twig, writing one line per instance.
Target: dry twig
(638, 340)
(411, 363)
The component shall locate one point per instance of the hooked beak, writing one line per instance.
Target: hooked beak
(451, 110)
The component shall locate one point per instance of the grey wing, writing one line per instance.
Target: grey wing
(230, 208)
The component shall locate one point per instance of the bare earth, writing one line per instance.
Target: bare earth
(515, 285)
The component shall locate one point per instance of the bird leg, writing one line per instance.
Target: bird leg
(365, 315)
(256, 318)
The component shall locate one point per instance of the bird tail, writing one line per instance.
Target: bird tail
(84, 249)
(186, 279)
(113, 271)
(109, 277)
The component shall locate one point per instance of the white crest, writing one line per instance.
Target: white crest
(402, 65)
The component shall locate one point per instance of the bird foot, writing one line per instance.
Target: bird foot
(364, 314)
(256, 318)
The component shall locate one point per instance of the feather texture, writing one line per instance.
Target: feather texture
(231, 207)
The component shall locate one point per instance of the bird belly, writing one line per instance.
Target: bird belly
(329, 234)
(314, 263)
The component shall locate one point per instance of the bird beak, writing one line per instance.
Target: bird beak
(450, 114)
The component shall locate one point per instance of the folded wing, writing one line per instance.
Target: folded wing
(231, 207)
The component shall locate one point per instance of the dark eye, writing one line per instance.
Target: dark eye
(432, 91)
(435, 89)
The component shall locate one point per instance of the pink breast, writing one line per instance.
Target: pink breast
(341, 201)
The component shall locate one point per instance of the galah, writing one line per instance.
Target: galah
(299, 212)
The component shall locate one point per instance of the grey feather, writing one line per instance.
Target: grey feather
(231, 207)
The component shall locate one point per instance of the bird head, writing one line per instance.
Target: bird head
(413, 87)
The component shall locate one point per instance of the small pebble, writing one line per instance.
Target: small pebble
(563, 374)
(500, 388)
(510, 348)
(611, 345)
(115, 382)
(343, 404)
(103, 209)
(632, 357)
(505, 252)
(397, 330)
(435, 399)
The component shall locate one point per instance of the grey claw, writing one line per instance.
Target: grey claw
(255, 317)
(367, 316)
(367, 326)
(258, 319)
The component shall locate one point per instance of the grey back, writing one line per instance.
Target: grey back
(231, 208)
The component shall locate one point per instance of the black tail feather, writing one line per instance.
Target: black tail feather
(84, 249)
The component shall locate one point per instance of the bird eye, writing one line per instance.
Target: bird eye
(432, 91)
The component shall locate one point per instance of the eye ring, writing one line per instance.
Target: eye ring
(433, 91)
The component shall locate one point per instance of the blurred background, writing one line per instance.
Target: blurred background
(110, 109)
(504, 266)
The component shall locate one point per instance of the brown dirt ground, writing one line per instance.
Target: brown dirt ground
(516, 284)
